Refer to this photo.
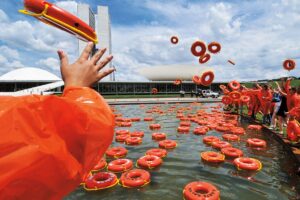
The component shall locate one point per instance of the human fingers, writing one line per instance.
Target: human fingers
(64, 61)
(102, 74)
(98, 55)
(86, 52)
(103, 62)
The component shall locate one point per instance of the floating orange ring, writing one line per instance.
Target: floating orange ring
(121, 138)
(245, 98)
(210, 76)
(135, 178)
(234, 85)
(214, 47)
(196, 79)
(135, 119)
(255, 142)
(194, 48)
(201, 190)
(254, 127)
(137, 134)
(222, 128)
(100, 181)
(230, 137)
(149, 161)
(154, 126)
(122, 132)
(148, 119)
(154, 91)
(157, 152)
(210, 139)
(237, 130)
(247, 164)
(125, 124)
(133, 141)
(167, 144)
(289, 64)
(100, 165)
(211, 156)
(120, 165)
(200, 130)
(183, 129)
(226, 100)
(232, 152)
(204, 59)
(185, 123)
(158, 136)
(116, 152)
(174, 40)
(220, 144)
(231, 62)
(235, 95)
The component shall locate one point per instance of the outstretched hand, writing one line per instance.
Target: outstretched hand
(84, 72)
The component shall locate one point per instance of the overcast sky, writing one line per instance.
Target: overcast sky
(256, 34)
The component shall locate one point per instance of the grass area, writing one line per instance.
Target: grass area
(142, 96)
(294, 83)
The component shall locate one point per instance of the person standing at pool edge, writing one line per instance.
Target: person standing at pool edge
(48, 143)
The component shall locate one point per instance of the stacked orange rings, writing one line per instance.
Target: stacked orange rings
(183, 129)
(247, 164)
(245, 98)
(100, 181)
(235, 95)
(135, 178)
(196, 79)
(230, 137)
(220, 144)
(149, 161)
(158, 136)
(167, 144)
(210, 139)
(205, 58)
(148, 119)
(154, 91)
(210, 76)
(100, 165)
(214, 47)
(120, 165)
(154, 126)
(116, 152)
(201, 190)
(231, 152)
(121, 138)
(194, 48)
(157, 152)
(133, 140)
(234, 85)
(214, 157)
(137, 134)
(226, 100)
(289, 64)
(174, 40)
(254, 127)
(255, 142)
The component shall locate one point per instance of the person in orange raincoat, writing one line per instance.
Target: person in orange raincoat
(48, 143)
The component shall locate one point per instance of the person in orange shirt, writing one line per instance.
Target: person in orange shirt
(49, 143)
(266, 98)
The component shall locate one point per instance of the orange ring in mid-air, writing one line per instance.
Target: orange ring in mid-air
(245, 98)
(177, 82)
(154, 91)
(289, 64)
(210, 76)
(174, 39)
(196, 79)
(214, 47)
(226, 100)
(204, 59)
(194, 48)
(235, 95)
(201, 190)
(234, 85)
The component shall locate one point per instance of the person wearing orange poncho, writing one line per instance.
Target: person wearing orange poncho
(48, 143)
(266, 99)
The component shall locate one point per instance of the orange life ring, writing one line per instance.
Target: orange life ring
(116, 152)
(255, 142)
(121, 138)
(154, 126)
(183, 129)
(133, 141)
(100, 165)
(159, 136)
(120, 165)
(185, 123)
(196, 79)
(174, 40)
(125, 124)
(148, 119)
(204, 58)
(231, 62)
(220, 144)
(234, 85)
(177, 82)
(210, 139)
(211, 156)
(226, 100)
(201, 130)
(204, 80)
(247, 164)
(149, 161)
(289, 64)
(230, 137)
(235, 95)
(122, 132)
(232, 152)
(214, 47)
(154, 91)
(137, 134)
(167, 144)
(254, 127)
(135, 119)
(59, 18)
(100, 181)
(135, 178)
(157, 152)
(237, 130)
(222, 128)
(245, 98)
(200, 190)
(194, 50)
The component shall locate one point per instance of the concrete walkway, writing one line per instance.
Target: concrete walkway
(160, 100)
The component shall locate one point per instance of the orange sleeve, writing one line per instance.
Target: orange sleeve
(287, 86)
(48, 143)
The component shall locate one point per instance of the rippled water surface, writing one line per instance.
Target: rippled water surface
(184, 165)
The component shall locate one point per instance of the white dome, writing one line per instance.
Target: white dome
(29, 74)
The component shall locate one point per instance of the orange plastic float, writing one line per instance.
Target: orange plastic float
(222, 128)
(255, 127)
(235, 95)
(232, 152)
(200, 191)
(195, 46)
(226, 100)
(125, 124)
(213, 157)
(204, 59)
(220, 144)
(174, 39)
(209, 139)
(133, 141)
(154, 126)
(289, 64)
(177, 82)
(185, 123)
(201, 130)
(255, 142)
(116, 152)
(148, 119)
(207, 78)
(214, 47)
(100, 181)
(234, 85)
(135, 178)
(237, 130)
(100, 165)
(245, 98)
(230, 137)
(149, 161)
(121, 138)
(159, 136)
(245, 163)
(167, 144)
(157, 152)
(137, 134)
(196, 79)
(122, 132)
(183, 129)
(120, 165)
(154, 91)
(135, 119)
